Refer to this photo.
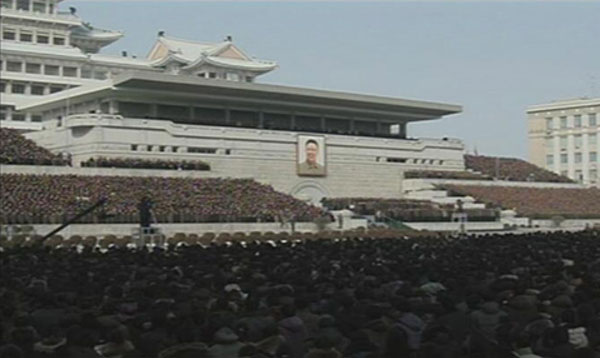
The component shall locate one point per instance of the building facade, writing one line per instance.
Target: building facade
(564, 138)
(250, 130)
(45, 51)
(189, 100)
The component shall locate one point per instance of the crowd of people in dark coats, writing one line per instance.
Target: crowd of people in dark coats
(16, 149)
(512, 169)
(139, 163)
(28, 198)
(533, 295)
(543, 203)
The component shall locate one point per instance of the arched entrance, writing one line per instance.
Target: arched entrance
(310, 191)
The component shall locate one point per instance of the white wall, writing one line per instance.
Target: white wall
(356, 166)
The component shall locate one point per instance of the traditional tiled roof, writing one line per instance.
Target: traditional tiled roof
(191, 54)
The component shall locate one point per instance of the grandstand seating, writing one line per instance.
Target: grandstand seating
(137, 163)
(535, 202)
(408, 210)
(50, 198)
(16, 149)
(512, 169)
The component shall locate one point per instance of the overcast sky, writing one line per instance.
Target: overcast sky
(494, 58)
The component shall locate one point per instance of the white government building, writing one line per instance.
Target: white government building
(188, 100)
(564, 138)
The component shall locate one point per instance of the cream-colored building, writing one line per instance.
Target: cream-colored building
(190, 100)
(46, 51)
(564, 138)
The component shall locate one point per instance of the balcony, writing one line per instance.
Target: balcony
(63, 17)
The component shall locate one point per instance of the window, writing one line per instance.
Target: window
(22, 4)
(26, 36)
(134, 147)
(593, 157)
(578, 175)
(161, 148)
(33, 68)
(175, 149)
(70, 71)
(549, 159)
(100, 75)
(578, 141)
(51, 70)
(592, 119)
(54, 89)
(212, 75)
(13, 66)
(230, 76)
(563, 142)
(564, 173)
(549, 123)
(6, 4)
(202, 75)
(577, 157)
(18, 117)
(564, 159)
(2, 87)
(36, 118)
(58, 40)
(37, 89)
(201, 150)
(563, 122)
(18, 88)
(3, 112)
(42, 38)
(577, 120)
(395, 160)
(593, 174)
(549, 142)
(592, 138)
(39, 7)
(249, 79)
(86, 72)
(9, 34)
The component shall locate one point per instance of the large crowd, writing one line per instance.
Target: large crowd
(543, 203)
(445, 174)
(138, 163)
(512, 169)
(16, 149)
(408, 210)
(52, 198)
(535, 295)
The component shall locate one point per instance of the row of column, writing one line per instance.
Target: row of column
(49, 5)
(261, 118)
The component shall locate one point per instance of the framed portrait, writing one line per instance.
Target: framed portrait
(311, 156)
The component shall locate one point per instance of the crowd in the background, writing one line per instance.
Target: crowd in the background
(51, 198)
(138, 163)
(536, 295)
(408, 210)
(536, 202)
(442, 174)
(512, 169)
(16, 149)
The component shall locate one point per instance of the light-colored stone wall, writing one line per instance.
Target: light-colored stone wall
(356, 166)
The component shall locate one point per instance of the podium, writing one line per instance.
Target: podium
(148, 236)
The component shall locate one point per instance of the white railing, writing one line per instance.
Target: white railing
(63, 16)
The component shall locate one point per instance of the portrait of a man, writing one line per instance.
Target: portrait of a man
(311, 156)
